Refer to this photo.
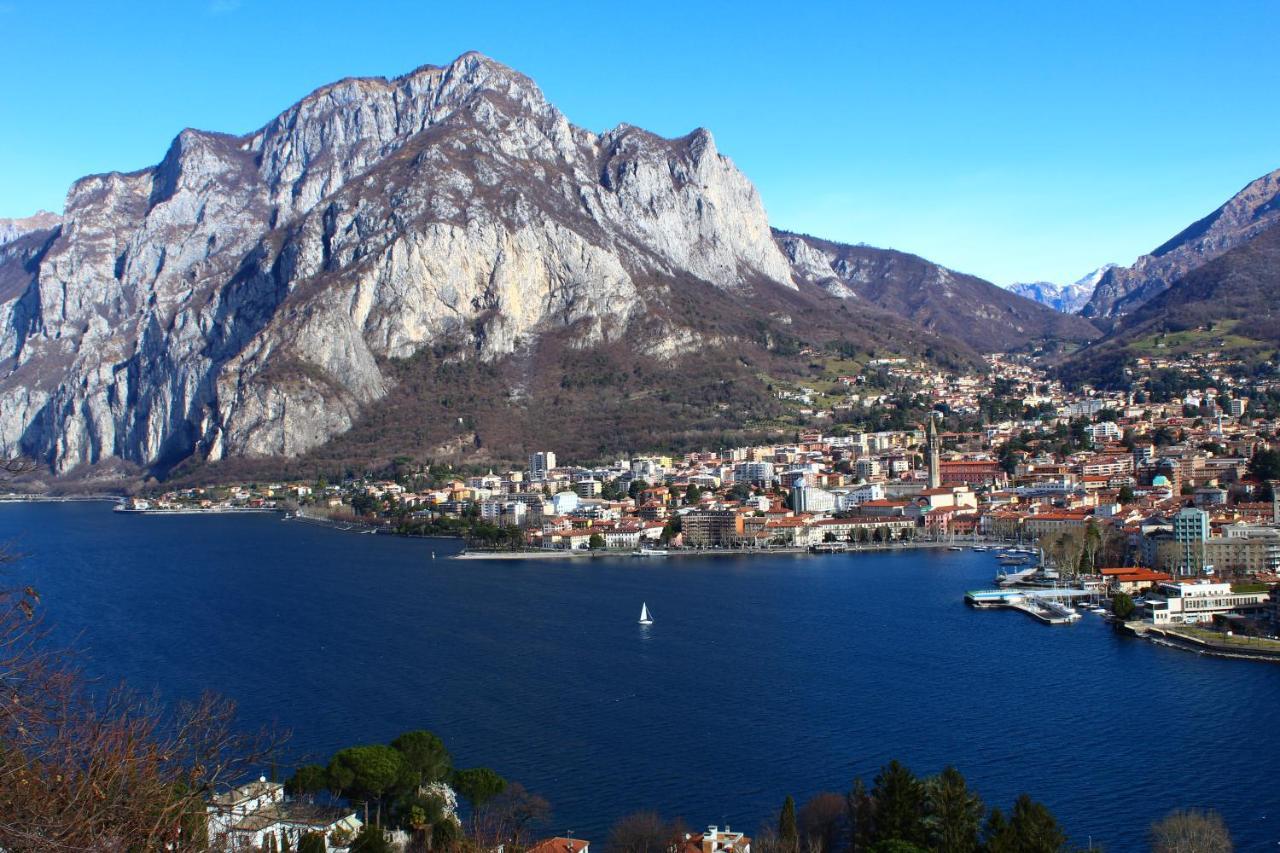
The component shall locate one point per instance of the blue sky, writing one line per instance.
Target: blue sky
(1014, 141)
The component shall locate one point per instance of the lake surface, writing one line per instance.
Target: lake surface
(761, 677)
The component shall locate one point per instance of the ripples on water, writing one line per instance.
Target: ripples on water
(761, 676)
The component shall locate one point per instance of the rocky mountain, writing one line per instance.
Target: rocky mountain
(1067, 298)
(956, 305)
(1248, 213)
(1228, 304)
(41, 220)
(432, 262)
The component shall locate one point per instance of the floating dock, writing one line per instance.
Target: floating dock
(1050, 606)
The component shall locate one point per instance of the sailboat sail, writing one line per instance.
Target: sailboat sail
(645, 618)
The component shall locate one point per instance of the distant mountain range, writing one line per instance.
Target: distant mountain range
(440, 264)
(1067, 298)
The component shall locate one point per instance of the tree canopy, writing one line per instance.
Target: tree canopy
(479, 785)
(424, 755)
(366, 774)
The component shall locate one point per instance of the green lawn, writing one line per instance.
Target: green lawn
(1217, 337)
(1222, 639)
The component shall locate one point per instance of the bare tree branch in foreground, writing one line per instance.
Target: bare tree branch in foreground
(83, 769)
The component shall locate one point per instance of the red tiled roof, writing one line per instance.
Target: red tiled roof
(559, 845)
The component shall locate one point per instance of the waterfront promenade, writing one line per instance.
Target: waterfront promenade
(1216, 644)
(562, 553)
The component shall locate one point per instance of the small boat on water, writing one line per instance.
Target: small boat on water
(955, 548)
(645, 617)
(649, 552)
(1021, 577)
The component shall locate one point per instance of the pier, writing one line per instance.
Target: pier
(1051, 606)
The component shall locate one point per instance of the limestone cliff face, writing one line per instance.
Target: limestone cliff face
(1248, 213)
(241, 297)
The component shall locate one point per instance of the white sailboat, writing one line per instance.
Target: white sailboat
(645, 618)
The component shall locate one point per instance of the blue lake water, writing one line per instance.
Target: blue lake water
(761, 677)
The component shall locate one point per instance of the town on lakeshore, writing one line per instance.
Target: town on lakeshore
(682, 417)
(1158, 502)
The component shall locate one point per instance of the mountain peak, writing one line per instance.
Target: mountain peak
(342, 267)
(1248, 213)
(253, 292)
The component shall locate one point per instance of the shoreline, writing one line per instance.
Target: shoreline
(224, 510)
(1176, 640)
(56, 499)
(557, 553)
(355, 526)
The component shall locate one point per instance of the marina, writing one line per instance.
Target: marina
(1052, 606)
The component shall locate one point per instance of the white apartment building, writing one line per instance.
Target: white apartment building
(540, 464)
(648, 469)
(1191, 603)
(1103, 431)
(867, 468)
(753, 472)
(814, 500)
(858, 495)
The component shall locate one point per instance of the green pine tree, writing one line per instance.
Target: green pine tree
(953, 813)
(861, 817)
(899, 803)
(1031, 828)
(1035, 827)
(788, 833)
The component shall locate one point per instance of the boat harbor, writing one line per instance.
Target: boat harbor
(1026, 584)
(1052, 606)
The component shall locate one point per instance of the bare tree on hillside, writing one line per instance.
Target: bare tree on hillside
(83, 769)
(1190, 831)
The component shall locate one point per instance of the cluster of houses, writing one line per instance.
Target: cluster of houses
(713, 840)
(259, 816)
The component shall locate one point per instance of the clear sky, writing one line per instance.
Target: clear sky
(1016, 141)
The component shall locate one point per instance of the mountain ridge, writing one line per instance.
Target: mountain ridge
(955, 304)
(252, 296)
(1227, 304)
(1252, 210)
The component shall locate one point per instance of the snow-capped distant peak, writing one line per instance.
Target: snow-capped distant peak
(1091, 280)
